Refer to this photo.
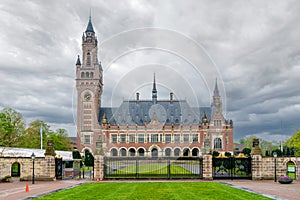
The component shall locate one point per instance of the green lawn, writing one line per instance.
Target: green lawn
(153, 169)
(153, 190)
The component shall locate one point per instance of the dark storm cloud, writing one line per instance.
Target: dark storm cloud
(250, 46)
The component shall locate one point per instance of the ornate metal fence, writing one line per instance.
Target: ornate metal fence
(153, 167)
(232, 168)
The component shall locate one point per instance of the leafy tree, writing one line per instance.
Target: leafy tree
(89, 159)
(11, 127)
(227, 154)
(60, 140)
(76, 154)
(32, 137)
(246, 151)
(294, 142)
(248, 141)
(215, 154)
(278, 151)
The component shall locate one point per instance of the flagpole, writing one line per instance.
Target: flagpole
(41, 133)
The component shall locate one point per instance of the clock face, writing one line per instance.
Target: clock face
(87, 96)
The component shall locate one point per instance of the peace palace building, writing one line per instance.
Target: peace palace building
(144, 127)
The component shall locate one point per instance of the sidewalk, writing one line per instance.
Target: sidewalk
(16, 190)
(280, 191)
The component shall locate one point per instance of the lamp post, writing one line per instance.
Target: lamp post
(275, 156)
(32, 158)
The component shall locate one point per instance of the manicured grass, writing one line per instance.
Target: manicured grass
(153, 190)
(153, 169)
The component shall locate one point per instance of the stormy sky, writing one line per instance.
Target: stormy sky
(252, 48)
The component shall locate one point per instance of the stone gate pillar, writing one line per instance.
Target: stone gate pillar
(256, 163)
(99, 160)
(49, 161)
(99, 167)
(207, 167)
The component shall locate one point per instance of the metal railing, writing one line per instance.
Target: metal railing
(153, 167)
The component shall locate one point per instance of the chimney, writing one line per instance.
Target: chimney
(171, 97)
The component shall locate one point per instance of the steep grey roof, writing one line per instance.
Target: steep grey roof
(89, 27)
(78, 61)
(140, 112)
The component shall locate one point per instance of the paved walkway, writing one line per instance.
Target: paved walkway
(280, 191)
(16, 190)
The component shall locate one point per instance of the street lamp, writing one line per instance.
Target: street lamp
(275, 156)
(32, 158)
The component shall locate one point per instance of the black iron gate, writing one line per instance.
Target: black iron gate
(58, 168)
(232, 168)
(153, 167)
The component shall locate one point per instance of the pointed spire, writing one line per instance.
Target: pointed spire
(216, 91)
(154, 91)
(204, 118)
(89, 27)
(78, 61)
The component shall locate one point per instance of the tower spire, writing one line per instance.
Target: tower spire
(216, 91)
(78, 61)
(89, 27)
(154, 91)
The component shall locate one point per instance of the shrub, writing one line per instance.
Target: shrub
(285, 179)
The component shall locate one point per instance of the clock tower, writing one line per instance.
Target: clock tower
(89, 89)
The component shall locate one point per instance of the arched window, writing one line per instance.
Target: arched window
(132, 152)
(141, 152)
(177, 152)
(123, 152)
(82, 74)
(186, 152)
(114, 152)
(92, 75)
(168, 152)
(87, 75)
(88, 59)
(154, 152)
(195, 152)
(217, 143)
(15, 169)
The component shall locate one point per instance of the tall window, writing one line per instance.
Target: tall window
(123, 152)
(114, 152)
(168, 152)
(177, 152)
(217, 122)
(88, 59)
(168, 138)
(177, 138)
(154, 138)
(186, 138)
(141, 138)
(141, 152)
(114, 138)
(123, 138)
(87, 139)
(217, 143)
(132, 138)
(195, 138)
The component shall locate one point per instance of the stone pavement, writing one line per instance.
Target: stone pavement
(16, 190)
(269, 187)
